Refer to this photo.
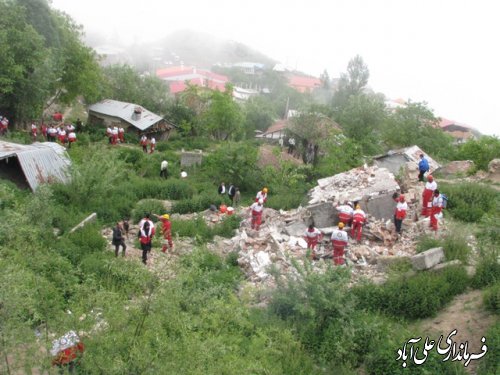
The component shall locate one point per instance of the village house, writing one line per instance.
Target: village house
(132, 117)
(177, 76)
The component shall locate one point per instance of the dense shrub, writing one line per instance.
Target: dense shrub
(199, 229)
(481, 151)
(414, 297)
(426, 242)
(491, 298)
(197, 203)
(490, 363)
(77, 245)
(172, 189)
(469, 202)
(487, 271)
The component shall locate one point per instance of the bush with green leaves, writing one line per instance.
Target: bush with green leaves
(469, 202)
(199, 229)
(147, 206)
(481, 151)
(490, 363)
(487, 270)
(413, 297)
(171, 189)
(200, 202)
(491, 298)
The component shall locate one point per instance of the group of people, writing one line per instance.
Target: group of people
(145, 142)
(115, 135)
(433, 201)
(233, 192)
(64, 134)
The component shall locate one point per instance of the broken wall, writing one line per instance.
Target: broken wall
(189, 158)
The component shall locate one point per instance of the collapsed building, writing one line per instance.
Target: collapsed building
(372, 187)
(28, 166)
(404, 160)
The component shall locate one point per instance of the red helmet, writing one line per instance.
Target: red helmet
(430, 178)
(401, 198)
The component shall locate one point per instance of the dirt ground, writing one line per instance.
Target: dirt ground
(467, 315)
(267, 157)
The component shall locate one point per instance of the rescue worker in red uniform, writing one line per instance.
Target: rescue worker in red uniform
(312, 236)
(166, 229)
(345, 212)
(400, 212)
(67, 352)
(339, 242)
(144, 143)
(146, 233)
(358, 220)
(257, 208)
(262, 194)
(34, 131)
(44, 129)
(121, 134)
(436, 209)
(430, 186)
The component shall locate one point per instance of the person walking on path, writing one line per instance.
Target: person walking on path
(436, 210)
(423, 167)
(358, 220)
(144, 143)
(146, 233)
(121, 134)
(126, 227)
(257, 209)
(262, 194)
(339, 242)
(118, 239)
(164, 169)
(152, 145)
(34, 131)
(167, 232)
(400, 212)
(430, 186)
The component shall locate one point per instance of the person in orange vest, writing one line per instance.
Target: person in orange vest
(436, 209)
(257, 209)
(146, 233)
(339, 241)
(400, 212)
(144, 143)
(167, 232)
(345, 212)
(430, 186)
(312, 236)
(358, 220)
(262, 194)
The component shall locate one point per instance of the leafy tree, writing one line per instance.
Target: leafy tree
(259, 115)
(416, 124)
(351, 83)
(339, 155)
(325, 79)
(223, 119)
(362, 119)
(310, 128)
(126, 84)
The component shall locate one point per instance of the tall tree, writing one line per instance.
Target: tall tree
(351, 83)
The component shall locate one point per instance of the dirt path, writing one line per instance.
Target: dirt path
(465, 314)
(267, 157)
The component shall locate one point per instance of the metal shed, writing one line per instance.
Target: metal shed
(33, 164)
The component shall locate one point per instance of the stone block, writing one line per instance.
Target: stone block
(191, 158)
(322, 214)
(427, 259)
(384, 262)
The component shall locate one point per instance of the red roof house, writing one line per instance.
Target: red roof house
(177, 76)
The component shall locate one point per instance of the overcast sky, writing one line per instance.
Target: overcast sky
(444, 52)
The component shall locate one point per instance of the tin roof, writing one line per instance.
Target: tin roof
(40, 162)
(125, 111)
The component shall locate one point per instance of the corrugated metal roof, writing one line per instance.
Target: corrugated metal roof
(40, 162)
(125, 111)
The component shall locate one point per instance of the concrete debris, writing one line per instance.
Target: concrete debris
(372, 187)
(409, 157)
(494, 170)
(427, 259)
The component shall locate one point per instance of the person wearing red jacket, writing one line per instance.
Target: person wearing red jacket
(436, 209)
(312, 236)
(430, 186)
(400, 213)
(44, 129)
(261, 194)
(358, 220)
(167, 232)
(67, 352)
(345, 212)
(257, 208)
(339, 241)
(34, 131)
(146, 233)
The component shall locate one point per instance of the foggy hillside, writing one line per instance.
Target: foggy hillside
(184, 46)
